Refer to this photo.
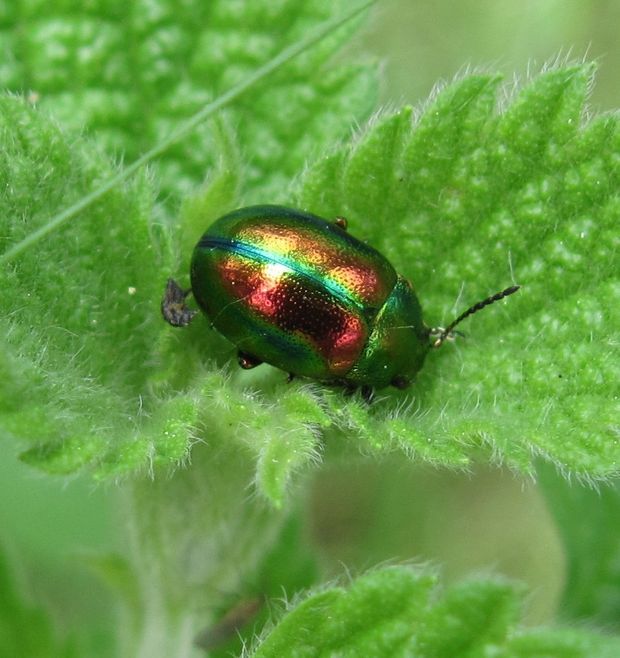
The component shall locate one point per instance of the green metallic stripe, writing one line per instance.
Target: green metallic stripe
(267, 257)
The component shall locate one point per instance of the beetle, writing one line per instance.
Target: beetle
(297, 291)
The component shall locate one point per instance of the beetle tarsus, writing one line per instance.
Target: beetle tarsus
(368, 393)
(247, 361)
(438, 331)
(173, 306)
(341, 222)
(401, 382)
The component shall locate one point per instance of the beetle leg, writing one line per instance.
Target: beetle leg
(246, 361)
(367, 393)
(173, 306)
(401, 382)
(439, 331)
(341, 222)
(291, 376)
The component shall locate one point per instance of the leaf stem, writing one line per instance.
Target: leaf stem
(228, 97)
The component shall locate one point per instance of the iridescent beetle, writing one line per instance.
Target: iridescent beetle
(297, 291)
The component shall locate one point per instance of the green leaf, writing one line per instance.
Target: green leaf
(77, 311)
(130, 74)
(398, 611)
(108, 383)
(465, 201)
(198, 539)
(287, 568)
(588, 523)
(374, 617)
(26, 629)
(477, 196)
(564, 643)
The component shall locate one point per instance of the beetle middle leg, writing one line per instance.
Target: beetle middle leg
(341, 222)
(366, 391)
(247, 361)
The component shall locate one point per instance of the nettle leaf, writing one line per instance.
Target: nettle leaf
(91, 374)
(76, 313)
(129, 72)
(398, 611)
(27, 629)
(478, 196)
(465, 201)
(587, 520)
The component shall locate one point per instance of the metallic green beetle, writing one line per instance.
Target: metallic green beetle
(297, 291)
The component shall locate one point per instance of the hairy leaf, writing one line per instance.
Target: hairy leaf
(129, 72)
(463, 198)
(588, 523)
(466, 200)
(27, 629)
(82, 333)
(77, 311)
(397, 611)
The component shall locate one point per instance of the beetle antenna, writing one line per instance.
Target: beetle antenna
(447, 332)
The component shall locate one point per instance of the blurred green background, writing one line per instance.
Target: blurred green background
(484, 521)
(423, 42)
